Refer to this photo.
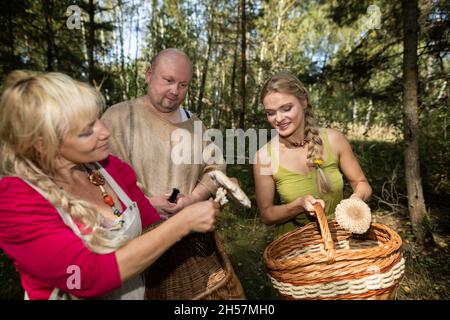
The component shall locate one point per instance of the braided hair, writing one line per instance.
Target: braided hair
(44, 107)
(285, 82)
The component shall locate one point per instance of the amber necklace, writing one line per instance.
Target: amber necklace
(96, 178)
(297, 144)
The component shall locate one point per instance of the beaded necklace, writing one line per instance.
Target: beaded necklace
(297, 144)
(96, 178)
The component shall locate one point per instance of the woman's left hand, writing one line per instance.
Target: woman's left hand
(307, 202)
(355, 196)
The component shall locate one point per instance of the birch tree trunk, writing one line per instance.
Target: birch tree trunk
(368, 116)
(12, 60)
(208, 57)
(122, 75)
(48, 14)
(90, 42)
(233, 74)
(154, 28)
(243, 65)
(136, 57)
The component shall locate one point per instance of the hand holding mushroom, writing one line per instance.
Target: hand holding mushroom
(227, 187)
(353, 215)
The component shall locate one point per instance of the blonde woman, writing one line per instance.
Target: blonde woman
(71, 215)
(304, 163)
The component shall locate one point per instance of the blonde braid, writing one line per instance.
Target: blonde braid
(99, 239)
(315, 150)
(286, 82)
(44, 107)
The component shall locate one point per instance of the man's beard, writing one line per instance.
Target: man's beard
(169, 105)
(164, 105)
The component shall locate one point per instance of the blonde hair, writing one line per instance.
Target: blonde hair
(285, 82)
(45, 107)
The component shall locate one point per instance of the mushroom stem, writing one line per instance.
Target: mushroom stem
(221, 196)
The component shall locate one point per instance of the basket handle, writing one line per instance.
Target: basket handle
(325, 232)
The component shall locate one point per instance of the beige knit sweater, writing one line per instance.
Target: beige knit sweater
(142, 138)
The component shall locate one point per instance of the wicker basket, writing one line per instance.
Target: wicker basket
(323, 261)
(198, 268)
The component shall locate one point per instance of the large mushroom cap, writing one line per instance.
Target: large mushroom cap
(353, 215)
(233, 190)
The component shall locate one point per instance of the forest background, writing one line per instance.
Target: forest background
(349, 54)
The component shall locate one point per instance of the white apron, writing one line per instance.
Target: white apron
(132, 289)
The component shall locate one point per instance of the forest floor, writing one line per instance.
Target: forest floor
(427, 272)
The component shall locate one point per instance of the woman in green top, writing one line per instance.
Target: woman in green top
(303, 162)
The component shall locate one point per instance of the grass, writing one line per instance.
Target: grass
(427, 273)
(245, 241)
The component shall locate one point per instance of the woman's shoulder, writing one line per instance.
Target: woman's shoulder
(265, 151)
(17, 196)
(337, 140)
(118, 168)
(114, 163)
(266, 157)
(270, 145)
(334, 135)
(13, 185)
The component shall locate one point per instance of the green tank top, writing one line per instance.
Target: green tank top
(291, 185)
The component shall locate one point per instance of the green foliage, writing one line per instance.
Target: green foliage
(245, 240)
(382, 163)
(10, 288)
(353, 72)
(330, 45)
(435, 166)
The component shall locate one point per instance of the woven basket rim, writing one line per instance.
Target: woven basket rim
(392, 245)
(226, 267)
(307, 263)
(224, 286)
(364, 296)
(357, 285)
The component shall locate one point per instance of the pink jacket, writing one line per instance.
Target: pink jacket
(42, 247)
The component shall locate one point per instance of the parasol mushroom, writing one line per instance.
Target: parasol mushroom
(226, 186)
(353, 215)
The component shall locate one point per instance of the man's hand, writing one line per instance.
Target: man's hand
(162, 205)
(182, 202)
